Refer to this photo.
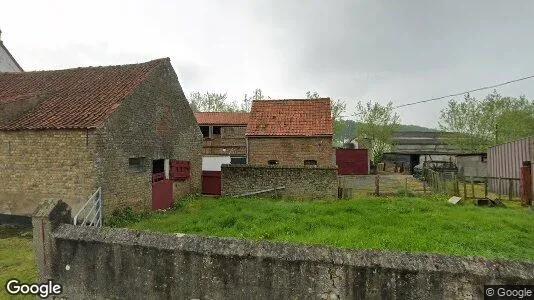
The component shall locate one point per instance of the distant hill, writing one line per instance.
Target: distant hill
(348, 131)
(411, 128)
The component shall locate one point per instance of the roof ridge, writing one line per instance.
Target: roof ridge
(150, 62)
(296, 99)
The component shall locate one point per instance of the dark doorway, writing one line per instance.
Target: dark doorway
(161, 187)
(414, 161)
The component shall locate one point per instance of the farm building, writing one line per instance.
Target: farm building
(505, 161)
(290, 132)
(127, 129)
(224, 138)
(7, 61)
(472, 165)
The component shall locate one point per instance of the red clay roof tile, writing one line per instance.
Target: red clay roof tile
(71, 98)
(222, 118)
(291, 117)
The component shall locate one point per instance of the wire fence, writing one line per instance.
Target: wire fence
(429, 182)
(472, 187)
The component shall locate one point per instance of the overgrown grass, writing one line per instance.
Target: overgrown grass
(16, 259)
(428, 224)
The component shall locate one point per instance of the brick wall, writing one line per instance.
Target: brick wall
(154, 122)
(291, 150)
(232, 139)
(45, 164)
(299, 182)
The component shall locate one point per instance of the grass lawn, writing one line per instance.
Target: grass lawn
(416, 224)
(16, 259)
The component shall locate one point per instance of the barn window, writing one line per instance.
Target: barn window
(180, 170)
(136, 164)
(205, 131)
(216, 129)
(272, 162)
(238, 160)
(310, 162)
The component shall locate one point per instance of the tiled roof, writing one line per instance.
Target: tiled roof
(222, 118)
(72, 98)
(292, 117)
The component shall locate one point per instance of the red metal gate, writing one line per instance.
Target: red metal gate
(211, 182)
(161, 191)
(352, 161)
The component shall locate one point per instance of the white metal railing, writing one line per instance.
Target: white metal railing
(91, 212)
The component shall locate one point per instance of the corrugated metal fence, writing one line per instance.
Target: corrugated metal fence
(505, 161)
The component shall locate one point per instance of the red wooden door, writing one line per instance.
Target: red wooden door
(211, 182)
(161, 192)
(352, 161)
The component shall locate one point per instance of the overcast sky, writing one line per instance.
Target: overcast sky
(399, 51)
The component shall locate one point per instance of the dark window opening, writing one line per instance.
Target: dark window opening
(216, 129)
(205, 131)
(136, 163)
(272, 162)
(238, 160)
(158, 166)
(158, 170)
(310, 162)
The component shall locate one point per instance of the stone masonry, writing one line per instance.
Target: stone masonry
(298, 182)
(110, 263)
(153, 122)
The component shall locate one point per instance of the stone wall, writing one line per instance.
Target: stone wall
(45, 163)
(108, 263)
(154, 122)
(299, 182)
(290, 151)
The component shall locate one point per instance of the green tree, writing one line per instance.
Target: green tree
(376, 125)
(211, 102)
(480, 124)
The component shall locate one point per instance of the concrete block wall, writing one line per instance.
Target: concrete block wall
(45, 163)
(299, 182)
(290, 151)
(110, 263)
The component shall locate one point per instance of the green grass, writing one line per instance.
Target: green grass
(16, 259)
(428, 224)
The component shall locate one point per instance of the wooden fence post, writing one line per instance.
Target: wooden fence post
(486, 188)
(377, 185)
(472, 187)
(465, 190)
(424, 186)
(406, 187)
(510, 188)
(499, 189)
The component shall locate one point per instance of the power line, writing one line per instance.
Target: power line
(457, 94)
(463, 93)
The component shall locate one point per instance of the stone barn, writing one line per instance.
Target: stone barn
(127, 128)
(290, 132)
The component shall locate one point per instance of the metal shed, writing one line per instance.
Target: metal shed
(505, 161)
